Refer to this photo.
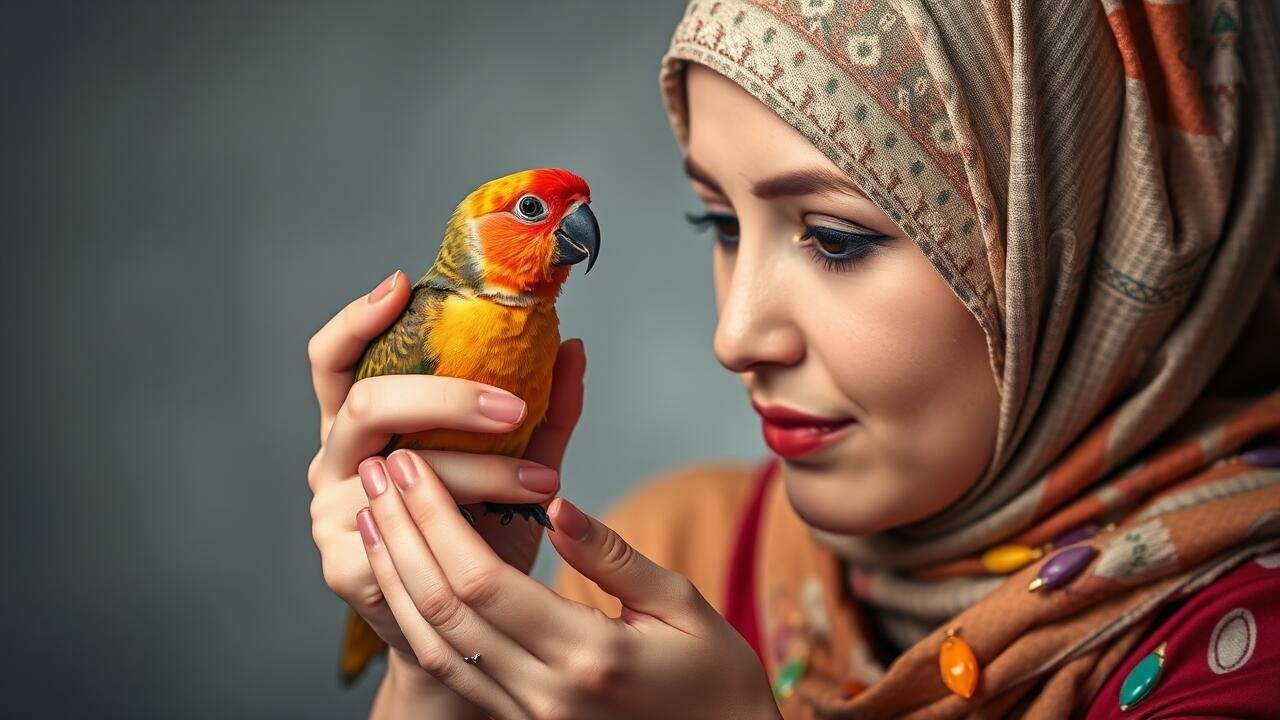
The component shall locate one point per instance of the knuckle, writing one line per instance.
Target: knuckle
(317, 508)
(441, 609)
(615, 553)
(360, 401)
(315, 348)
(545, 706)
(477, 585)
(438, 660)
(313, 472)
(338, 576)
(596, 675)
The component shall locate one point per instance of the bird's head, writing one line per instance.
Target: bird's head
(521, 233)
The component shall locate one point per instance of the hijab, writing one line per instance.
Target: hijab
(1097, 184)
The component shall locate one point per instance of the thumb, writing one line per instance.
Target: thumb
(601, 555)
(549, 440)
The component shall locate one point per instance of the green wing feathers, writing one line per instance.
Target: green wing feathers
(401, 349)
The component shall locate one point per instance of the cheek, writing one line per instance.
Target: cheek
(905, 350)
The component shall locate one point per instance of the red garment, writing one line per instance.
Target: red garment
(1223, 653)
(1222, 658)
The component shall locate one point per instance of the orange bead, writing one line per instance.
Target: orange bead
(959, 666)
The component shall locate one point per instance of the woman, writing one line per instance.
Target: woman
(1002, 285)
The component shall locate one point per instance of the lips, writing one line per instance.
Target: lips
(792, 434)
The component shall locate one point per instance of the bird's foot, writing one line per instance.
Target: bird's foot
(528, 512)
(467, 514)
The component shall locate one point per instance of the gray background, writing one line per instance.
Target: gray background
(190, 190)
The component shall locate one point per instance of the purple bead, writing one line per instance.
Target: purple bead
(782, 638)
(1262, 457)
(1063, 566)
(1075, 535)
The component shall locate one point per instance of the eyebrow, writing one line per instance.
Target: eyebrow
(695, 172)
(809, 181)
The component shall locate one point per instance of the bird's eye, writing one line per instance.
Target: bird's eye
(530, 208)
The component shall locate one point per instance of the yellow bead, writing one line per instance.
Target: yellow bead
(1004, 559)
(959, 666)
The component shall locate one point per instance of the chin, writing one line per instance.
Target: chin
(833, 501)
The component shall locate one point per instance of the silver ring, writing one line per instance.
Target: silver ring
(473, 659)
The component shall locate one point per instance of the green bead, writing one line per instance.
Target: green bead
(786, 682)
(1140, 681)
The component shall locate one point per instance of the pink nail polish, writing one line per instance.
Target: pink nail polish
(368, 530)
(373, 476)
(384, 287)
(571, 521)
(538, 479)
(403, 470)
(502, 407)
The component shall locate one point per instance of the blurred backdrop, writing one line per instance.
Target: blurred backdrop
(190, 191)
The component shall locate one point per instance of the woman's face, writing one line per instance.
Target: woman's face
(827, 308)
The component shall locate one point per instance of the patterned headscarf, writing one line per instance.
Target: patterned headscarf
(1097, 184)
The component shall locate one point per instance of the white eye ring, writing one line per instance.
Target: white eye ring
(530, 208)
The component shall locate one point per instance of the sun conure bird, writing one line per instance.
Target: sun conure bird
(486, 311)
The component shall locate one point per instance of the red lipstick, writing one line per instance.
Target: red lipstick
(792, 434)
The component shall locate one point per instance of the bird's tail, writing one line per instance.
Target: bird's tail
(360, 644)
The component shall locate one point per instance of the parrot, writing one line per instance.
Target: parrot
(486, 311)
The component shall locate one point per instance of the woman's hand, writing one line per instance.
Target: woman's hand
(669, 655)
(358, 419)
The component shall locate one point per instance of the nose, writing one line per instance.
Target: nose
(756, 324)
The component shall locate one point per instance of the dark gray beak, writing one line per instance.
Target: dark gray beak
(578, 238)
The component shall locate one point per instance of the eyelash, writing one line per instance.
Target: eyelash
(862, 244)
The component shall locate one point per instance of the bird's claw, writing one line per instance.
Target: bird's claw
(528, 512)
(467, 514)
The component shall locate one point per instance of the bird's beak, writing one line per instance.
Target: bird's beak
(578, 237)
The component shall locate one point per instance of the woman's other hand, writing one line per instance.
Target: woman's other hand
(669, 654)
(357, 419)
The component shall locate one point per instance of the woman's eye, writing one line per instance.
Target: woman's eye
(726, 226)
(838, 250)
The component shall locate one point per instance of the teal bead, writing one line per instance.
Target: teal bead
(1142, 679)
(787, 678)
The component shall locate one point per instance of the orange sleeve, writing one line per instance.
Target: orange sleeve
(684, 520)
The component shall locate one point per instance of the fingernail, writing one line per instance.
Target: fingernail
(403, 470)
(538, 479)
(502, 407)
(571, 521)
(368, 530)
(384, 287)
(373, 476)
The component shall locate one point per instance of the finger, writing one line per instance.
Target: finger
(382, 406)
(549, 440)
(433, 595)
(505, 598)
(641, 585)
(473, 478)
(470, 478)
(336, 348)
(435, 654)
